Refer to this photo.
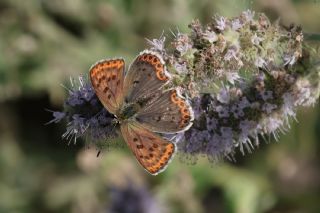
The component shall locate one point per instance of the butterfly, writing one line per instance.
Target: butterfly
(142, 106)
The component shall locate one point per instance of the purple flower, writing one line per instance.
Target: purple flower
(255, 39)
(192, 144)
(221, 23)
(239, 90)
(303, 94)
(183, 43)
(248, 15)
(266, 95)
(243, 103)
(260, 62)
(57, 116)
(246, 128)
(288, 105)
(231, 54)
(85, 115)
(158, 45)
(237, 111)
(132, 198)
(289, 59)
(268, 108)
(181, 68)
(271, 124)
(219, 146)
(226, 133)
(211, 36)
(211, 124)
(233, 77)
(223, 111)
(223, 96)
(197, 107)
(236, 24)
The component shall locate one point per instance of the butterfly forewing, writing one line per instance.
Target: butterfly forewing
(168, 112)
(153, 152)
(146, 75)
(107, 77)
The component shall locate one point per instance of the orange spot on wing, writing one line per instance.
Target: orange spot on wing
(156, 63)
(116, 63)
(174, 97)
(163, 161)
(184, 110)
(161, 76)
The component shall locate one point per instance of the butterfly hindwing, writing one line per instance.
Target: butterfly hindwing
(107, 77)
(147, 74)
(153, 152)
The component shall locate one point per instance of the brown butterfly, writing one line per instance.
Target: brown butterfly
(142, 106)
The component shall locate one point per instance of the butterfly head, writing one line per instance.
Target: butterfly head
(115, 121)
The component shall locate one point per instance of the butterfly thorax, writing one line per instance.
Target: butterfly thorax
(127, 111)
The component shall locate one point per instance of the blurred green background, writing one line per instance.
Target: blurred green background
(44, 42)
